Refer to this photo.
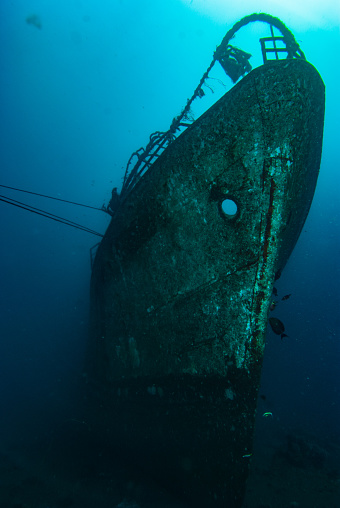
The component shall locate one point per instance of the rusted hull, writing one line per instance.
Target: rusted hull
(180, 290)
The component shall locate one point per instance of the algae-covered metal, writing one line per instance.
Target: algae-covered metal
(181, 289)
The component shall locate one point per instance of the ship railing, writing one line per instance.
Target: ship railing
(235, 63)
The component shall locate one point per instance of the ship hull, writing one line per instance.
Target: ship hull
(181, 289)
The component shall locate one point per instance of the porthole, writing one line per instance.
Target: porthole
(229, 207)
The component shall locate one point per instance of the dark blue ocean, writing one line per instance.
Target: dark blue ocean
(83, 85)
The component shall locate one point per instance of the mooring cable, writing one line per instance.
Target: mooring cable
(48, 215)
(51, 197)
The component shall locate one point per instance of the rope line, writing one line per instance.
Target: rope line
(48, 215)
(51, 197)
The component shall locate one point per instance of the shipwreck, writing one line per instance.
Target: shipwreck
(181, 283)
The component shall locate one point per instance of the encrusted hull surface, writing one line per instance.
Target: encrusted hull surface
(180, 290)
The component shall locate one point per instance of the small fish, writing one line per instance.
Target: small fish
(268, 413)
(277, 326)
(286, 296)
(34, 20)
(272, 305)
(274, 291)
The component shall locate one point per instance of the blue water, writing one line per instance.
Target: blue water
(81, 89)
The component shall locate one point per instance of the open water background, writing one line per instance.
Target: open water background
(78, 95)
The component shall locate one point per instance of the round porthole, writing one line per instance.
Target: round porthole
(229, 207)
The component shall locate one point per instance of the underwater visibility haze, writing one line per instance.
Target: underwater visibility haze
(83, 86)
